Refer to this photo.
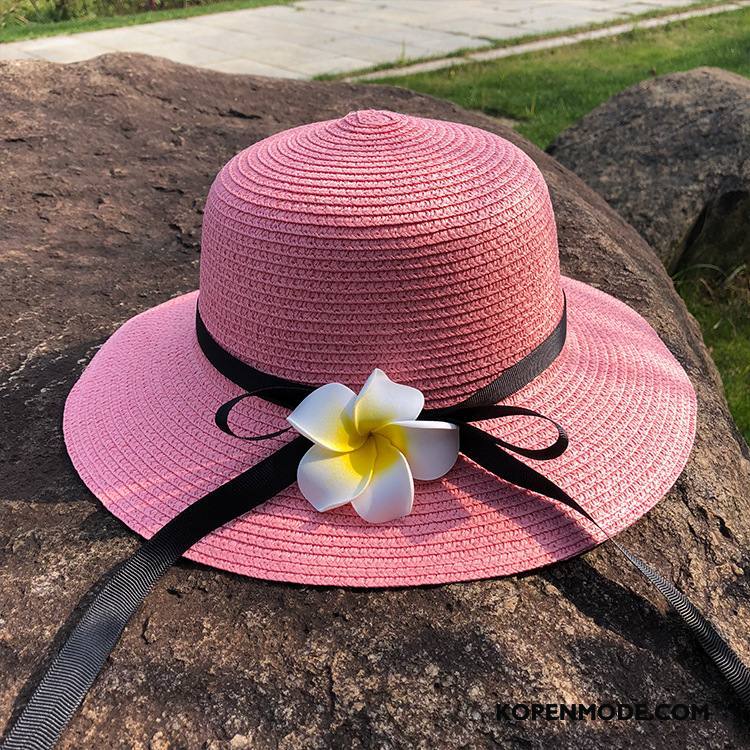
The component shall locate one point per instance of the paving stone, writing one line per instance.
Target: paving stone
(119, 39)
(185, 52)
(60, 49)
(14, 52)
(243, 66)
(546, 43)
(311, 37)
(177, 29)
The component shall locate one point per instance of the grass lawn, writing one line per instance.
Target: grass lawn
(724, 314)
(545, 92)
(15, 30)
(549, 90)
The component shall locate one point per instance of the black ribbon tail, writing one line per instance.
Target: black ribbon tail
(72, 672)
(76, 666)
(484, 449)
(84, 653)
(717, 649)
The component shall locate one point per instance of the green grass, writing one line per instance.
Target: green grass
(15, 30)
(545, 92)
(548, 91)
(723, 312)
(405, 61)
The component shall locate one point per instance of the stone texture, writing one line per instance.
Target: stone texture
(105, 166)
(672, 156)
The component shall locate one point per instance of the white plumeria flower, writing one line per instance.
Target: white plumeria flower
(370, 447)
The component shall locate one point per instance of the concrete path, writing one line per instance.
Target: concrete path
(311, 37)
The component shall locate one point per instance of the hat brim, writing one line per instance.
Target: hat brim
(139, 428)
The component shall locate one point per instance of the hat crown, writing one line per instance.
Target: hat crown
(422, 247)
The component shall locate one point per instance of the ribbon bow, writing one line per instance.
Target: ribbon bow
(72, 672)
(367, 448)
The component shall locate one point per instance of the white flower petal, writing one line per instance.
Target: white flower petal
(328, 479)
(325, 418)
(390, 493)
(431, 448)
(381, 401)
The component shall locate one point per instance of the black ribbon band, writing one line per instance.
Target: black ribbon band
(289, 392)
(72, 672)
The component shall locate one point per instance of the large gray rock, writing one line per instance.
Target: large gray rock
(672, 156)
(105, 166)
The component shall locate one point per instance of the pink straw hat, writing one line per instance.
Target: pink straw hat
(427, 249)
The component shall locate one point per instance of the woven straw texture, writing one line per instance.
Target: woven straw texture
(422, 247)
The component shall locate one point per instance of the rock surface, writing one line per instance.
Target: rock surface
(105, 165)
(672, 156)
